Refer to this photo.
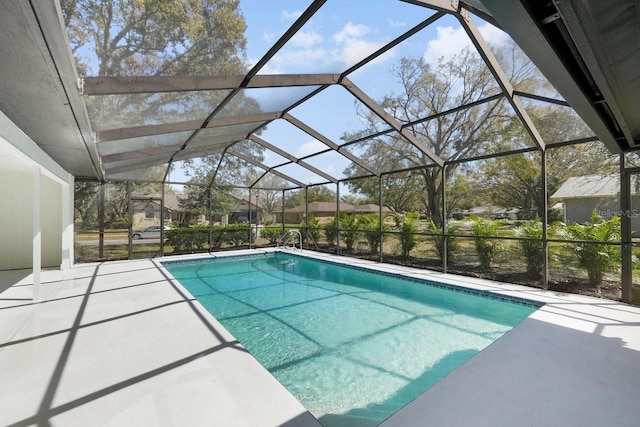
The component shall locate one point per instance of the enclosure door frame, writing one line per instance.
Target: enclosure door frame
(629, 293)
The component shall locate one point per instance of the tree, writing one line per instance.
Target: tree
(355, 199)
(516, 180)
(85, 199)
(400, 191)
(268, 195)
(317, 193)
(198, 201)
(463, 190)
(156, 37)
(427, 90)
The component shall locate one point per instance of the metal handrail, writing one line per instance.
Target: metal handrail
(288, 237)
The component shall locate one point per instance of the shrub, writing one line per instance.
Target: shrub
(486, 247)
(185, 239)
(408, 239)
(350, 227)
(312, 231)
(438, 240)
(237, 234)
(119, 225)
(331, 231)
(532, 249)
(596, 258)
(272, 234)
(370, 224)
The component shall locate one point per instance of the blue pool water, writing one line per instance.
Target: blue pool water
(353, 346)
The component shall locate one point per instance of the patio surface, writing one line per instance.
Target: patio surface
(122, 344)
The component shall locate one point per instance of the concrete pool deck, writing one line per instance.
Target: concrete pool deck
(120, 344)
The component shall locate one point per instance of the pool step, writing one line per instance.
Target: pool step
(370, 416)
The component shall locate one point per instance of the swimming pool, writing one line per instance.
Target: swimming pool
(354, 346)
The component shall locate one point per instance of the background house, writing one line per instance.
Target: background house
(240, 211)
(581, 195)
(147, 211)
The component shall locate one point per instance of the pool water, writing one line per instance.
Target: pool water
(353, 346)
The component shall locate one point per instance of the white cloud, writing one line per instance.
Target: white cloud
(310, 50)
(313, 58)
(396, 24)
(311, 178)
(492, 35)
(331, 170)
(353, 47)
(450, 41)
(268, 37)
(269, 68)
(310, 147)
(306, 38)
(354, 50)
(270, 157)
(290, 16)
(351, 31)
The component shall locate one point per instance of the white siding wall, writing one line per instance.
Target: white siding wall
(51, 215)
(18, 155)
(16, 227)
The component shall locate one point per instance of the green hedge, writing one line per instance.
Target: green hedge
(272, 234)
(119, 225)
(197, 238)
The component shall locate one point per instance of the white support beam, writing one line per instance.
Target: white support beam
(212, 142)
(67, 224)
(390, 120)
(266, 168)
(123, 85)
(140, 131)
(341, 150)
(503, 81)
(128, 165)
(37, 231)
(292, 158)
(449, 6)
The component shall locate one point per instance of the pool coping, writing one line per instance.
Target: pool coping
(485, 293)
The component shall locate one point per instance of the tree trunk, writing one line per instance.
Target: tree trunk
(433, 187)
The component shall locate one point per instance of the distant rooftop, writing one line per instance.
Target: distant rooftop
(589, 186)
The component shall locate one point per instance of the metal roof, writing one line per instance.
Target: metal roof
(588, 186)
(588, 50)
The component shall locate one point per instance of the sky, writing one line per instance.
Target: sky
(338, 36)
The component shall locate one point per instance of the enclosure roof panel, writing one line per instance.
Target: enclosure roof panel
(163, 104)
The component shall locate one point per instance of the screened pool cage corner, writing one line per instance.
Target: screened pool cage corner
(470, 164)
